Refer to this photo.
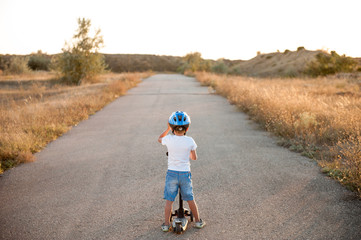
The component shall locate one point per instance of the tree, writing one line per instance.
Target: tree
(80, 59)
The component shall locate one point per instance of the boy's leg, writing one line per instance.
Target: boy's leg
(167, 211)
(193, 206)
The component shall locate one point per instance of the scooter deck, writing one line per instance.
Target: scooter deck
(182, 221)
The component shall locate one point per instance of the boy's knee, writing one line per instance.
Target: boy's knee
(168, 202)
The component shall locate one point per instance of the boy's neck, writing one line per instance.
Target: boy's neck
(179, 134)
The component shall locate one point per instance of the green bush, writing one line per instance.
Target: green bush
(39, 61)
(220, 67)
(326, 64)
(184, 67)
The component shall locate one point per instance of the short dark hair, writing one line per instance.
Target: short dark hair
(180, 129)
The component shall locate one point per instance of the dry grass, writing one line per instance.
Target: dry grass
(320, 118)
(39, 75)
(34, 113)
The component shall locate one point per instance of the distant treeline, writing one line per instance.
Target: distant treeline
(142, 63)
(317, 65)
(115, 62)
(17, 64)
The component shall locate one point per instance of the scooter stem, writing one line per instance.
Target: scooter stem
(181, 209)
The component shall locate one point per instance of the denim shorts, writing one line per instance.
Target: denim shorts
(175, 180)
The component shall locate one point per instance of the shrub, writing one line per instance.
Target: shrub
(39, 61)
(326, 64)
(183, 68)
(300, 49)
(206, 65)
(286, 51)
(194, 61)
(17, 65)
(343, 63)
(3, 64)
(220, 67)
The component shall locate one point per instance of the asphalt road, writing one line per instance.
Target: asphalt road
(104, 179)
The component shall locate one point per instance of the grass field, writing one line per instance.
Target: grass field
(320, 118)
(36, 109)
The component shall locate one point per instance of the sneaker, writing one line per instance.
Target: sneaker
(200, 224)
(165, 228)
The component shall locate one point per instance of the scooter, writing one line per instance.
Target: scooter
(180, 222)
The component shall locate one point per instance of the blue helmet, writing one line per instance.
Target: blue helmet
(179, 121)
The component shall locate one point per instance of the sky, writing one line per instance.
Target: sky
(231, 29)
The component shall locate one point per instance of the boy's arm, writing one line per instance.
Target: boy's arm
(193, 155)
(164, 134)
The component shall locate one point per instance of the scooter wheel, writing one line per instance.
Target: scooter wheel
(178, 229)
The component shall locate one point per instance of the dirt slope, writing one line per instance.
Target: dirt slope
(277, 63)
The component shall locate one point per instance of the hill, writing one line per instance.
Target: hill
(287, 64)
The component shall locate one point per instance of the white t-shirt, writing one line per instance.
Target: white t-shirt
(179, 149)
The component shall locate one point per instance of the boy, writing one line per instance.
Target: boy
(180, 149)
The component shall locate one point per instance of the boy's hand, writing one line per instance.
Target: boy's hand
(193, 155)
(164, 134)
